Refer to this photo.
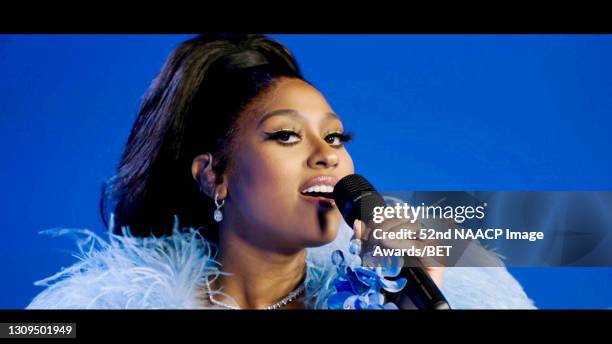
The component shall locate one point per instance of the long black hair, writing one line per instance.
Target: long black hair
(190, 108)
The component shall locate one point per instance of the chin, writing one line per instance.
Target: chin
(320, 230)
(322, 237)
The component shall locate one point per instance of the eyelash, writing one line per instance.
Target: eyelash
(277, 135)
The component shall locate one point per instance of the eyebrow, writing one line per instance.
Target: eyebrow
(290, 112)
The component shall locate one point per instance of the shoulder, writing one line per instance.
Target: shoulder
(127, 272)
(480, 280)
(484, 288)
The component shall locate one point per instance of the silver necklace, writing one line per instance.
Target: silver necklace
(292, 296)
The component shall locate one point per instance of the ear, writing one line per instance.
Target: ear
(203, 173)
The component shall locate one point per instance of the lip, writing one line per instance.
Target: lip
(319, 200)
(319, 180)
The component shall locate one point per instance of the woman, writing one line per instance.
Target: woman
(233, 144)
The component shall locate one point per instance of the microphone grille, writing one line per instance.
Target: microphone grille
(352, 186)
(356, 197)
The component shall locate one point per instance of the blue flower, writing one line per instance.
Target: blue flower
(360, 287)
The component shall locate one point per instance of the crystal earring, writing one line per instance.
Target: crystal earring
(218, 215)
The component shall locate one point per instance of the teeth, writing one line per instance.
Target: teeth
(320, 188)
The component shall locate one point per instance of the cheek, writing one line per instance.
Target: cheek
(346, 161)
(265, 185)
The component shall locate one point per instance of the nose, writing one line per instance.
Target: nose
(323, 155)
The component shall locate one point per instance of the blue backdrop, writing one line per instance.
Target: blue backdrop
(444, 112)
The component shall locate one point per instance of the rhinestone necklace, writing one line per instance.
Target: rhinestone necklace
(292, 296)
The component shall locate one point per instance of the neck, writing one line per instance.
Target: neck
(259, 277)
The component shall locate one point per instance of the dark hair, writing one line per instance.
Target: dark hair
(190, 108)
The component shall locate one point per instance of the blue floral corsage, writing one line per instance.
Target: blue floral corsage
(360, 287)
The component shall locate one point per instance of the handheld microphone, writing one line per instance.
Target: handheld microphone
(356, 198)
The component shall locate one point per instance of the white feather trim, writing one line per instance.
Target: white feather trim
(168, 273)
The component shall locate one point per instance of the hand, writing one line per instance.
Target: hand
(394, 225)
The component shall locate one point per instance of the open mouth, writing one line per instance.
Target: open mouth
(319, 191)
(327, 195)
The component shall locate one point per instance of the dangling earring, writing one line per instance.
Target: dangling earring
(218, 215)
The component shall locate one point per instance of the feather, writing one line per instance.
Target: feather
(126, 272)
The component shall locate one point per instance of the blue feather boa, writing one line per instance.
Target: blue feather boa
(125, 272)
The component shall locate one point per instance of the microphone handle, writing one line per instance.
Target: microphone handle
(420, 291)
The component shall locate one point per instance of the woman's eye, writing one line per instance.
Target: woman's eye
(285, 136)
(337, 139)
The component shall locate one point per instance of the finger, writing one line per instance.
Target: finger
(437, 275)
(358, 228)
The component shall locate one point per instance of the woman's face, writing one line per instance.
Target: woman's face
(290, 138)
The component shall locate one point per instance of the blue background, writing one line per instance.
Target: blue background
(447, 112)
